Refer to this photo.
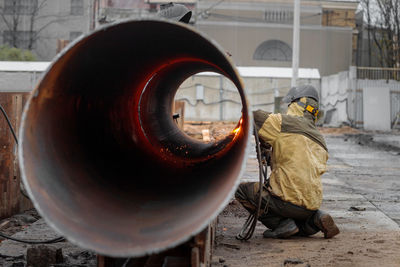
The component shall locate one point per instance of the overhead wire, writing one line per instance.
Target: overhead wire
(263, 92)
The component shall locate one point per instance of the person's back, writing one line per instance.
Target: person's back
(299, 156)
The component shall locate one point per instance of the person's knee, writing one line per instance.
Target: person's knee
(239, 194)
(242, 193)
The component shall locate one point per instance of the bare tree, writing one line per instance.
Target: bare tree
(383, 25)
(11, 14)
(12, 22)
(33, 15)
(367, 11)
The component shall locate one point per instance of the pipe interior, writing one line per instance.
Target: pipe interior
(103, 159)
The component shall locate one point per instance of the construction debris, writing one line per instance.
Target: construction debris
(43, 256)
(206, 135)
(14, 253)
(216, 130)
(357, 209)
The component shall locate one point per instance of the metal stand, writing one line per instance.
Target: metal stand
(196, 252)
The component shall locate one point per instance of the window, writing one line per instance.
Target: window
(74, 35)
(274, 50)
(77, 7)
(12, 7)
(20, 39)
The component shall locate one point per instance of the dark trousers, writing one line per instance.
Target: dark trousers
(274, 210)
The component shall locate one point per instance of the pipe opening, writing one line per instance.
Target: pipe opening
(208, 106)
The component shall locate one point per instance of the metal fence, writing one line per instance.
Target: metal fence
(378, 73)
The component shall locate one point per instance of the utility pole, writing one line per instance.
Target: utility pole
(296, 42)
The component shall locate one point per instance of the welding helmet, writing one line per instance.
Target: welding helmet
(301, 91)
(175, 12)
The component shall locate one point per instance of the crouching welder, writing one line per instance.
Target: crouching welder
(292, 196)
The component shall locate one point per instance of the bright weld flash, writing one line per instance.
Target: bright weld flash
(237, 129)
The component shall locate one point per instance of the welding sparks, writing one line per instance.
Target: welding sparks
(237, 129)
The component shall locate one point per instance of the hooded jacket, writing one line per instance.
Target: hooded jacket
(299, 154)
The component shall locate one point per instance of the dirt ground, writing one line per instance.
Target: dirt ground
(349, 248)
(361, 191)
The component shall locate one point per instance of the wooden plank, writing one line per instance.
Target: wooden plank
(195, 257)
(6, 145)
(12, 201)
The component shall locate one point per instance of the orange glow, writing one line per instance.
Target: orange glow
(237, 129)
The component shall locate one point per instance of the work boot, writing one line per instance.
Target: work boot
(325, 223)
(285, 229)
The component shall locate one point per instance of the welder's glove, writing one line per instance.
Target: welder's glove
(260, 116)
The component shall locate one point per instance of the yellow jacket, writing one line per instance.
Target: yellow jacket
(299, 156)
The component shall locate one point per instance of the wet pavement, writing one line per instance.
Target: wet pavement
(361, 192)
(361, 176)
(366, 174)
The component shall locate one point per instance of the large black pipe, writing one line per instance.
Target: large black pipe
(100, 154)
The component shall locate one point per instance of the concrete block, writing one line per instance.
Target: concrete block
(376, 106)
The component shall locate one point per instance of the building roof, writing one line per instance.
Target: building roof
(277, 72)
(23, 66)
(273, 72)
(267, 72)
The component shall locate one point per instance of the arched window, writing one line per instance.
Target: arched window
(273, 50)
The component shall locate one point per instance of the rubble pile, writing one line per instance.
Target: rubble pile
(217, 129)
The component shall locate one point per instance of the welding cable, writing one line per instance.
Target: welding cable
(51, 241)
(9, 123)
(251, 222)
(126, 262)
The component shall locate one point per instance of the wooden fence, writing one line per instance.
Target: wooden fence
(11, 199)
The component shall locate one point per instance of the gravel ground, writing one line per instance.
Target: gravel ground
(30, 226)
